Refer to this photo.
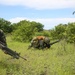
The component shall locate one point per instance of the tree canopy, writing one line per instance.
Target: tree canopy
(64, 31)
(25, 30)
(5, 25)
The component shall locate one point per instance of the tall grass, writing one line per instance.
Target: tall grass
(58, 60)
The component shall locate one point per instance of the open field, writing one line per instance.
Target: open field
(58, 60)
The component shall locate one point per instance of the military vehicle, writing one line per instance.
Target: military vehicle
(41, 42)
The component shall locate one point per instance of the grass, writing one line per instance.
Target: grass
(58, 60)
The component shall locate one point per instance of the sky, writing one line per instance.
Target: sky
(48, 12)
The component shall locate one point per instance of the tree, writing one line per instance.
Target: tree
(37, 25)
(71, 32)
(24, 31)
(5, 25)
(59, 32)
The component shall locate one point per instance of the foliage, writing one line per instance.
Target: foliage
(71, 32)
(24, 32)
(5, 25)
(59, 31)
(53, 34)
(43, 33)
(53, 61)
(64, 31)
(37, 25)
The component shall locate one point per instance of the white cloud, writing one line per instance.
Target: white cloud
(47, 22)
(41, 4)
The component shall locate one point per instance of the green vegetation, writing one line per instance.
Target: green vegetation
(24, 30)
(64, 31)
(58, 60)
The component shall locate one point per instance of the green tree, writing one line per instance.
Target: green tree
(59, 32)
(37, 25)
(71, 32)
(5, 25)
(53, 34)
(24, 31)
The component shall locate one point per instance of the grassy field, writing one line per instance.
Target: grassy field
(58, 60)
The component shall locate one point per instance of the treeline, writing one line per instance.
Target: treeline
(64, 31)
(24, 30)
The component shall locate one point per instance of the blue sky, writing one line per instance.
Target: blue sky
(48, 12)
